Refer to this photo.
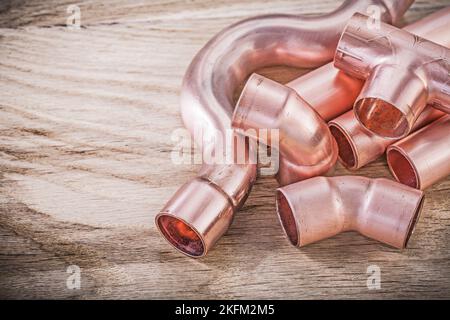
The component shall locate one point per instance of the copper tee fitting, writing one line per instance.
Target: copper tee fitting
(422, 158)
(381, 54)
(320, 207)
(358, 146)
(305, 142)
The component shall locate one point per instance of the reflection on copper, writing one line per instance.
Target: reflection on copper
(210, 82)
(422, 158)
(359, 146)
(403, 73)
(320, 207)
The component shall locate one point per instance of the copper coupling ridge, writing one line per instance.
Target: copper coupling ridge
(382, 53)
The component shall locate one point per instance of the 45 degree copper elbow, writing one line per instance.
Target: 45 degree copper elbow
(320, 207)
(306, 145)
(403, 73)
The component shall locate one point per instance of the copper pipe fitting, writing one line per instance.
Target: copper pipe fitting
(329, 92)
(381, 53)
(319, 208)
(358, 146)
(207, 105)
(305, 142)
(422, 158)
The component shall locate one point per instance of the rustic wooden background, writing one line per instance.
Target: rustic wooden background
(85, 121)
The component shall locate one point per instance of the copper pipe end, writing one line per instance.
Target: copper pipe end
(387, 107)
(306, 145)
(320, 207)
(422, 158)
(195, 217)
(347, 152)
(358, 146)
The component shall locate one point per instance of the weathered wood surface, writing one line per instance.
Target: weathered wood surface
(85, 121)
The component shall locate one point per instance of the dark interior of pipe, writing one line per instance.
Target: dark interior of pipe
(287, 218)
(346, 152)
(381, 117)
(181, 235)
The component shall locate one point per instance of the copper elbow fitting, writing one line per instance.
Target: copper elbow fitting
(358, 146)
(305, 142)
(422, 158)
(379, 55)
(319, 208)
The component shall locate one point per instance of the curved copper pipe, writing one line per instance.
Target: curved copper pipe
(422, 158)
(207, 105)
(320, 207)
(378, 55)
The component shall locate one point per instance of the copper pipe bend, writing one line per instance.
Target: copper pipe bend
(207, 105)
(320, 207)
(381, 53)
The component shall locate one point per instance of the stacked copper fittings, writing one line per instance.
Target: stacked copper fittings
(312, 207)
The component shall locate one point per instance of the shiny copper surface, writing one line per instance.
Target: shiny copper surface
(359, 146)
(320, 207)
(422, 158)
(207, 105)
(305, 142)
(419, 68)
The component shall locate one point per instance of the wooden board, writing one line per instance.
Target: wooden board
(85, 123)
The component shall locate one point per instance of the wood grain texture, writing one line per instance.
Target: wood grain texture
(85, 123)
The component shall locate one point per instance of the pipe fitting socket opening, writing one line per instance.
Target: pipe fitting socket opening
(412, 225)
(346, 152)
(181, 235)
(286, 217)
(402, 169)
(382, 118)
